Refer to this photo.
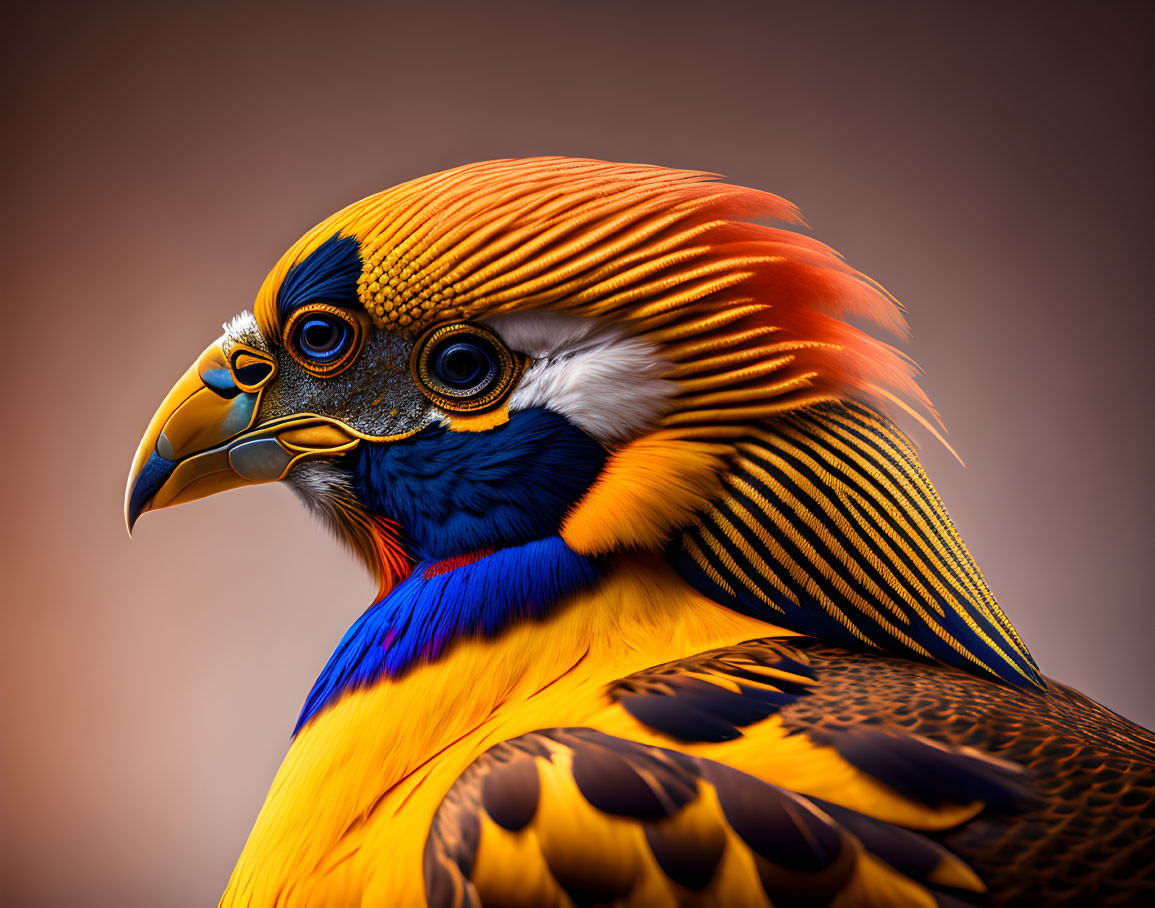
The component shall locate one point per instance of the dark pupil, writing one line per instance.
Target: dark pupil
(321, 337)
(462, 365)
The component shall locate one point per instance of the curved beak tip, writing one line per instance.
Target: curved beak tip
(143, 484)
(129, 520)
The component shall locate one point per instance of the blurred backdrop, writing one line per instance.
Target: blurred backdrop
(991, 164)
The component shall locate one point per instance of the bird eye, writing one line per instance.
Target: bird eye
(322, 338)
(464, 368)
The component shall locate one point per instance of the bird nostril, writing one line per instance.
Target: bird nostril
(253, 373)
(250, 370)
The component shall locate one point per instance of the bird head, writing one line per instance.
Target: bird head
(520, 351)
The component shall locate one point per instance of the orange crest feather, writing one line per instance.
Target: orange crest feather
(751, 317)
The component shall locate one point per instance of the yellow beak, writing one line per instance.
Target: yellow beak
(203, 440)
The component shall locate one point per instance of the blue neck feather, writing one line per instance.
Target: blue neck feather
(481, 511)
(428, 611)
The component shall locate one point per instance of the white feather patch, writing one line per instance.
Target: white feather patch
(243, 329)
(320, 485)
(604, 381)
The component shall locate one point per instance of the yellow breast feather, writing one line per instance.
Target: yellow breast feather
(346, 818)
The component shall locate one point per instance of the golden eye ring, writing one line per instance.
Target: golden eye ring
(465, 368)
(324, 339)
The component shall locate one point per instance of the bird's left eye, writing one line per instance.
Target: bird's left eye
(464, 367)
(323, 338)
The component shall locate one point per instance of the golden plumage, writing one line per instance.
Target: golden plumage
(779, 676)
(748, 316)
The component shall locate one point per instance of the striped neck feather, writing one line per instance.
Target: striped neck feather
(828, 525)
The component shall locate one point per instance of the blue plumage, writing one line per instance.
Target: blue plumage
(429, 610)
(490, 502)
(456, 492)
(328, 275)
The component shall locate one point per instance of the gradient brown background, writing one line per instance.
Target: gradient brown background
(990, 164)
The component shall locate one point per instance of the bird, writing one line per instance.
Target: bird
(668, 611)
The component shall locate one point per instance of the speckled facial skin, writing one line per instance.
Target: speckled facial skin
(375, 397)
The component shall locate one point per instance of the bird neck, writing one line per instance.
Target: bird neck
(828, 525)
(442, 602)
(480, 512)
(377, 762)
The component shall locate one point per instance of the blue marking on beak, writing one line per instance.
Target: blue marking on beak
(153, 475)
(221, 382)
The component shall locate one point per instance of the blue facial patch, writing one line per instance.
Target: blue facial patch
(457, 492)
(328, 275)
(434, 607)
(481, 512)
